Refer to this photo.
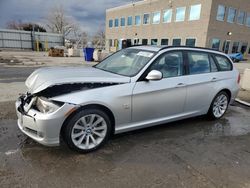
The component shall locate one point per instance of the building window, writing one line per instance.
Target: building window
(156, 17)
(154, 41)
(146, 19)
(244, 47)
(235, 47)
(176, 42)
(136, 41)
(231, 15)
(167, 16)
(122, 22)
(144, 41)
(180, 14)
(110, 23)
(216, 44)
(241, 17)
(190, 42)
(129, 43)
(195, 12)
(138, 20)
(110, 42)
(130, 21)
(116, 22)
(248, 20)
(164, 41)
(221, 13)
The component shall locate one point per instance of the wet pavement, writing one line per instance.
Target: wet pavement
(189, 153)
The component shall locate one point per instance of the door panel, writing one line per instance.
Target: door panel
(152, 100)
(199, 92)
(158, 99)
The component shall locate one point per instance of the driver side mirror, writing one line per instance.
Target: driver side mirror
(154, 75)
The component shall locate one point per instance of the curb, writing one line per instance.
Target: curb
(242, 102)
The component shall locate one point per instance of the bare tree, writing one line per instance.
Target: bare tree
(99, 39)
(80, 37)
(58, 22)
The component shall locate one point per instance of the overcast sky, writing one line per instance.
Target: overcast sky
(90, 14)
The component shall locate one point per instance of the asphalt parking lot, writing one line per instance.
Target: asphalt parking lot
(195, 152)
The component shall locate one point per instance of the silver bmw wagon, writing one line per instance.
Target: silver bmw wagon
(134, 88)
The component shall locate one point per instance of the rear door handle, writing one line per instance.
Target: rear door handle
(214, 79)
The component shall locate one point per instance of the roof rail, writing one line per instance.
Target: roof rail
(166, 47)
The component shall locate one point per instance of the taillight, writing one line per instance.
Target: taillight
(238, 79)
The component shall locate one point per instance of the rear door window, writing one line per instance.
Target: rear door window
(224, 63)
(198, 63)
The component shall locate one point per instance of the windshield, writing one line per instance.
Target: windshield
(127, 62)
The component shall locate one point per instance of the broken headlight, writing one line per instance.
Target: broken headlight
(46, 106)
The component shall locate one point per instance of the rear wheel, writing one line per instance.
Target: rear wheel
(219, 105)
(87, 130)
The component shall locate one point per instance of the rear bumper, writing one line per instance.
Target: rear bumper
(43, 128)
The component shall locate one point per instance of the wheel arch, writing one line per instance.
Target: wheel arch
(228, 92)
(91, 106)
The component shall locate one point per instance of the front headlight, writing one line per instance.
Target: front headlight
(46, 106)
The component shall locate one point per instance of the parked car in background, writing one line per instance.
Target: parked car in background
(134, 88)
(236, 57)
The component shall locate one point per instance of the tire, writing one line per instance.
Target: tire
(87, 130)
(218, 106)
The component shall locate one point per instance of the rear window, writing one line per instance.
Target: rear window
(224, 63)
(198, 63)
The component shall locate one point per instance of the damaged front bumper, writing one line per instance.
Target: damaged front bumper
(42, 127)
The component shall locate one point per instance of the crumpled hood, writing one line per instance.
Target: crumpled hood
(46, 77)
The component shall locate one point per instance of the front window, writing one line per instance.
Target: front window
(127, 62)
(156, 17)
(167, 16)
(241, 17)
(195, 12)
(138, 20)
(169, 64)
(122, 22)
(221, 13)
(146, 18)
(190, 42)
(116, 22)
(130, 20)
(216, 44)
(180, 14)
(231, 15)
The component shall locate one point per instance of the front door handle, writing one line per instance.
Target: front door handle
(180, 85)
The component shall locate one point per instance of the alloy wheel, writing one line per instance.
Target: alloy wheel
(89, 131)
(220, 105)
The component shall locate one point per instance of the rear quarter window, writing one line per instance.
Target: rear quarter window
(224, 63)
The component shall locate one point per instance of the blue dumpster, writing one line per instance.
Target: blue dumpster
(88, 54)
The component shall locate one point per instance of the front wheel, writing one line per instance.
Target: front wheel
(87, 130)
(219, 105)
